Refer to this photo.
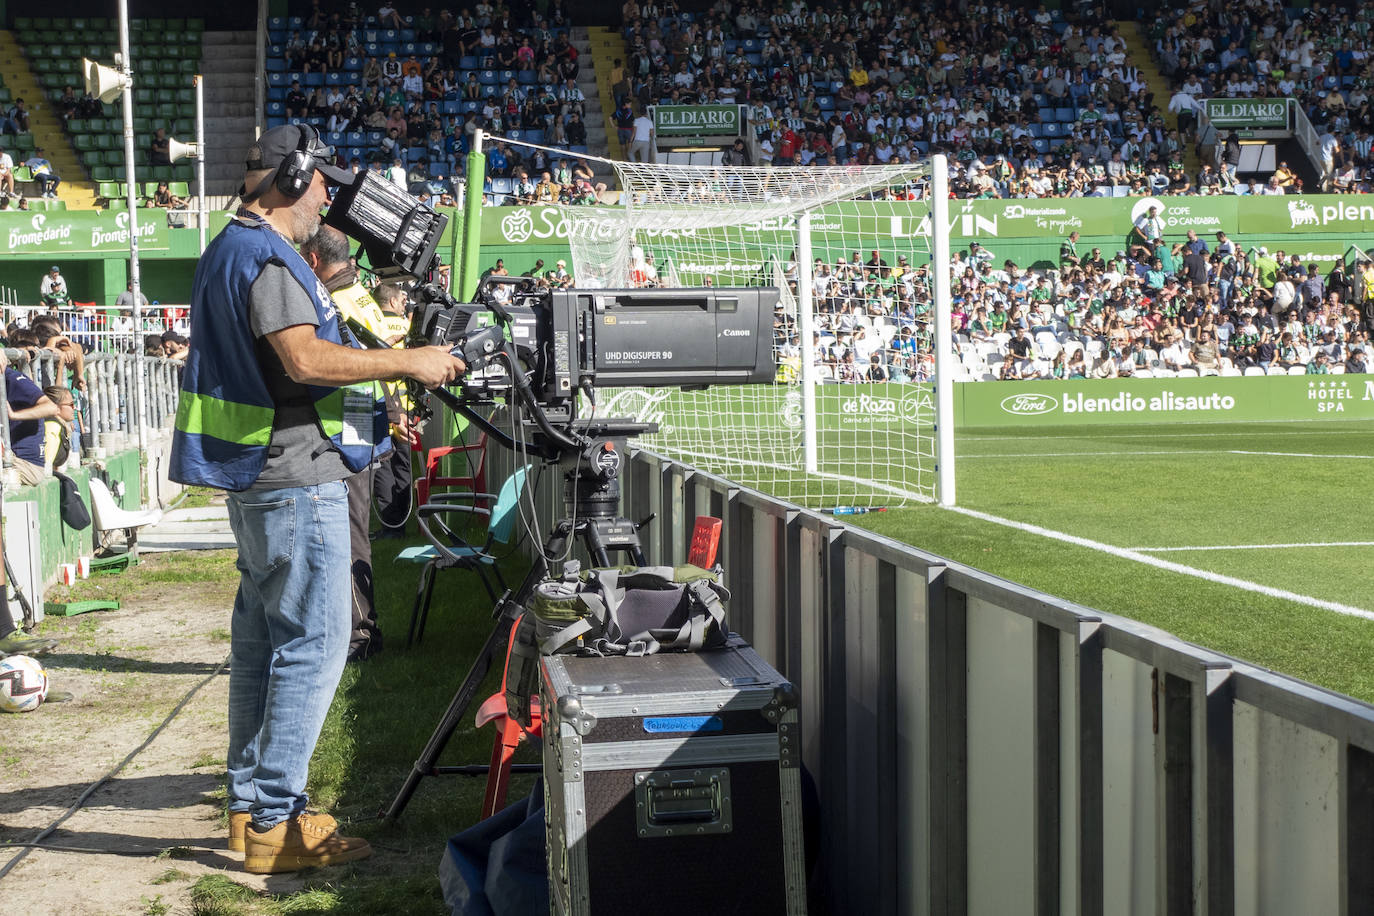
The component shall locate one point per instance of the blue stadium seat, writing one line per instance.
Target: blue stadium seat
(313, 79)
(372, 49)
(276, 22)
(389, 36)
(1041, 145)
(1065, 115)
(408, 35)
(450, 108)
(1047, 115)
(1037, 130)
(429, 48)
(1052, 129)
(275, 121)
(408, 48)
(534, 136)
(277, 93)
(353, 64)
(825, 103)
(754, 58)
(279, 78)
(337, 78)
(333, 138)
(470, 107)
(276, 110)
(295, 22)
(467, 62)
(491, 92)
(278, 36)
(730, 45)
(527, 78)
(276, 65)
(487, 77)
(578, 148)
(752, 44)
(505, 76)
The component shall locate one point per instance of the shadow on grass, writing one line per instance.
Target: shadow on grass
(120, 663)
(383, 715)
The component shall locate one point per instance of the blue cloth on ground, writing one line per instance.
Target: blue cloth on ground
(496, 867)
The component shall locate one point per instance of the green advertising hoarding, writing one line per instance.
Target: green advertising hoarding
(1173, 400)
(31, 234)
(1247, 114)
(697, 120)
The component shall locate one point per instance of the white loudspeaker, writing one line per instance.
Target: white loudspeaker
(105, 83)
(178, 150)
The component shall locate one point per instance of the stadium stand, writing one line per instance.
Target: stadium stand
(166, 54)
(407, 100)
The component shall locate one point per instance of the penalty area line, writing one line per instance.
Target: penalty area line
(1235, 451)
(1168, 565)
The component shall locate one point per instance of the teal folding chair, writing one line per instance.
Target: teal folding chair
(448, 549)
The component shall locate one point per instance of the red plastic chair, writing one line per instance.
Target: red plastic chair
(476, 480)
(509, 734)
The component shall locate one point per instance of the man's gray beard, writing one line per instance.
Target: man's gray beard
(305, 226)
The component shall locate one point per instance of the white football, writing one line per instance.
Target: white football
(23, 684)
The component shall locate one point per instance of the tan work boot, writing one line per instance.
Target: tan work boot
(238, 826)
(305, 841)
(239, 821)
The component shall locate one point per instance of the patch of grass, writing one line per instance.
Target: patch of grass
(199, 498)
(177, 852)
(155, 906)
(217, 895)
(220, 635)
(208, 760)
(170, 875)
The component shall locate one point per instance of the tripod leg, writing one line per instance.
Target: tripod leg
(424, 766)
(511, 608)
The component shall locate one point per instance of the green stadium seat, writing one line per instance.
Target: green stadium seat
(180, 189)
(5, 97)
(22, 23)
(169, 66)
(143, 126)
(85, 142)
(22, 143)
(102, 173)
(188, 67)
(161, 172)
(43, 203)
(62, 24)
(27, 38)
(42, 22)
(101, 23)
(42, 65)
(109, 190)
(80, 25)
(145, 97)
(23, 173)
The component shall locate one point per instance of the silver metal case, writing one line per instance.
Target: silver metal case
(672, 785)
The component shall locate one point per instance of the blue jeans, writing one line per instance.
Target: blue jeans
(289, 640)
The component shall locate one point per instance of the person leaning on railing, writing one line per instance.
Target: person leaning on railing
(27, 408)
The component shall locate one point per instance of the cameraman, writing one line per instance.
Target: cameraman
(276, 409)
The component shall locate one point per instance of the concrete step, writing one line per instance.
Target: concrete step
(232, 81)
(228, 110)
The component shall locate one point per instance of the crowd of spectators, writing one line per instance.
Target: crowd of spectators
(412, 113)
(1027, 103)
(1317, 54)
(1195, 307)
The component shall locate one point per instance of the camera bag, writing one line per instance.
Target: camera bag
(624, 611)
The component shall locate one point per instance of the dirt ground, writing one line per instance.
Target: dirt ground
(142, 839)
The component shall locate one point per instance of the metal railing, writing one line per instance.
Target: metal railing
(103, 330)
(105, 407)
(981, 747)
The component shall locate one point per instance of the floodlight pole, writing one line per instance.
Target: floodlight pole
(199, 80)
(127, 65)
(944, 336)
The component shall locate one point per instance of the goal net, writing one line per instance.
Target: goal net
(849, 248)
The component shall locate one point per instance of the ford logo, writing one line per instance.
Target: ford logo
(1030, 405)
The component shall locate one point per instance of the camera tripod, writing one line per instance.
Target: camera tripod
(591, 494)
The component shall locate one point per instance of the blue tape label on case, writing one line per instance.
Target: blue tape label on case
(661, 724)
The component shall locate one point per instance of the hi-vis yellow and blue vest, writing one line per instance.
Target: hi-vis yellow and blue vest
(225, 414)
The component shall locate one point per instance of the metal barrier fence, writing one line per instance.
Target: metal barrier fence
(981, 747)
(103, 330)
(105, 407)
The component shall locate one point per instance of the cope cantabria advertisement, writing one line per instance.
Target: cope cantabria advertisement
(1176, 400)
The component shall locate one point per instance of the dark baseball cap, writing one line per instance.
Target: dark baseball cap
(274, 146)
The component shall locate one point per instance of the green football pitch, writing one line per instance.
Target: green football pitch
(1250, 539)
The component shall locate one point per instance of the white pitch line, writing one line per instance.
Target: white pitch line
(1125, 453)
(1172, 435)
(1169, 565)
(1256, 546)
(1301, 455)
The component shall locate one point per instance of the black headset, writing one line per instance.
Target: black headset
(295, 173)
(297, 170)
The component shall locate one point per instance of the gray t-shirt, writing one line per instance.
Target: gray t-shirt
(300, 454)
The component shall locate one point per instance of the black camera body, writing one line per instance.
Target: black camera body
(605, 338)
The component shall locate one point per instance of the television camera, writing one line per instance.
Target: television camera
(538, 349)
(543, 347)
